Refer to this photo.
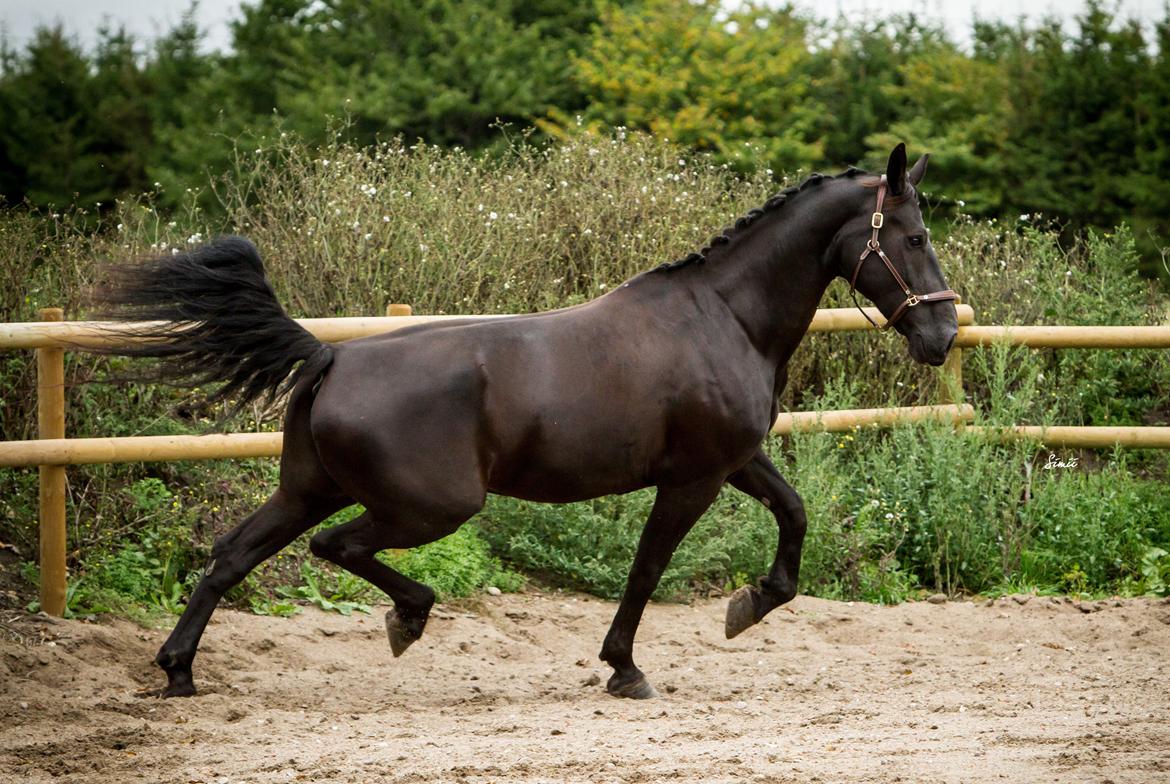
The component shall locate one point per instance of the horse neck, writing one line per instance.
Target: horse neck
(772, 277)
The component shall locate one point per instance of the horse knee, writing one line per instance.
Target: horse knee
(797, 519)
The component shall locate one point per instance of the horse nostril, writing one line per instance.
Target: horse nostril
(950, 342)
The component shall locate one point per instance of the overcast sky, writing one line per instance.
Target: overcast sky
(149, 18)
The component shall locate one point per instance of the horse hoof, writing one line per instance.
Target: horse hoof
(178, 690)
(741, 611)
(400, 633)
(639, 689)
(179, 684)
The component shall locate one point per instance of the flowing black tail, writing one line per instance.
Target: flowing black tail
(215, 318)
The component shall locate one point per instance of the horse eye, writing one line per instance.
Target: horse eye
(915, 241)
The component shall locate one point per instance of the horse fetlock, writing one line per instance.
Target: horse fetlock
(173, 660)
(177, 666)
(618, 656)
(776, 591)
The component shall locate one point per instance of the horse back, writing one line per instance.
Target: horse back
(562, 406)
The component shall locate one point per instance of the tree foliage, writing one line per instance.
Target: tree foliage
(735, 84)
(1068, 122)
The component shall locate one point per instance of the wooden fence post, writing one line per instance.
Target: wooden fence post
(399, 310)
(950, 380)
(51, 424)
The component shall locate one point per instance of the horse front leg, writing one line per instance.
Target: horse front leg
(760, 479)
(674, 514)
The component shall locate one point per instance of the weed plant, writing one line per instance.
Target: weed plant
(346, 230)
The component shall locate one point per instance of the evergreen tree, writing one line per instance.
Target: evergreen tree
(47, 135)
(1148, 186)
(853, 76)
(195, 114)
(119, 98)
(1073, 125)
(954, 106)
(440, 70)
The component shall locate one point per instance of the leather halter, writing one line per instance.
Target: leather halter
(875, 247)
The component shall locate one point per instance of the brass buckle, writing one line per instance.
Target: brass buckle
(912, 300)
(877, 221)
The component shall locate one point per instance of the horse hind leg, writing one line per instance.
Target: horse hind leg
(306, 496)
(354, 545)
(261, 535)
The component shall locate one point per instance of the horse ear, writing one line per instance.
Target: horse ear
(896, 169)
(917, 170)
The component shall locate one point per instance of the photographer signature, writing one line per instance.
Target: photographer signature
(1055, 462)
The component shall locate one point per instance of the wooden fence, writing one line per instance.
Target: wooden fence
(51, 336)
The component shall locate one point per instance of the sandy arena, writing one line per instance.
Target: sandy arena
(509, 689)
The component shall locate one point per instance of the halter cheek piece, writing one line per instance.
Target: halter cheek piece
(874, 246)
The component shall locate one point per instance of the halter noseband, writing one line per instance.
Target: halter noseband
(874, 246)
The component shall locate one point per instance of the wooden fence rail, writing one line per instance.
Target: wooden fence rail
(139, 449)
(50, 337)
(98, 334)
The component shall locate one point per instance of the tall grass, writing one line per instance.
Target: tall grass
(346, 230)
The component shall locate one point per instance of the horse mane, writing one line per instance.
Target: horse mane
(771, 205)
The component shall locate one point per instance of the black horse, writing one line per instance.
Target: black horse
(670, 380)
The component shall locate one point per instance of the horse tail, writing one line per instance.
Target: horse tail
(211, 316)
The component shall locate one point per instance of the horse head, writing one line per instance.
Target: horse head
(885, 253)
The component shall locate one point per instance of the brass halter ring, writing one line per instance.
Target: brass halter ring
(874, 246)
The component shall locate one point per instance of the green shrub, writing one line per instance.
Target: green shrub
(345, 230)
(457, 565)
(1100, 526)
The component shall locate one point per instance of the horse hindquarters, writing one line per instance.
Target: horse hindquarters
(410, 456)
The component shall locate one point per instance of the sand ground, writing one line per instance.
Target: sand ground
(509, 689)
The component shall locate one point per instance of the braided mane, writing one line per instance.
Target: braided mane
(772, 204)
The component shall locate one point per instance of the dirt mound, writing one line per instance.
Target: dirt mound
(510, 690)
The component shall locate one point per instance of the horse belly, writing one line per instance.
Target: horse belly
(569, 456)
